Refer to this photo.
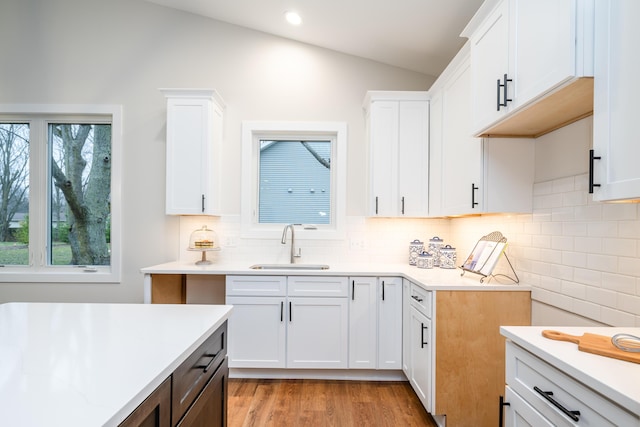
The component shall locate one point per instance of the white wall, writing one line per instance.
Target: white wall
(122, 51)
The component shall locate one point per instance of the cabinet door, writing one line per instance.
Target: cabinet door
(413, 155)
(435, 153)
(461, 153)
(543, 38)
(317, 333)
(210, 408)
(490, 62)
(518, 413)
(406, 328)
(383, 152)
(389, 298)
(363, 322)
(421, 378)
(154, 411)
(616, 135)
(257, 332)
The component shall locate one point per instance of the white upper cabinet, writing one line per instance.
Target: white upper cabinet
(528, 61)
(473, 175)
(398, 144)
(616, 135)
(194, 136)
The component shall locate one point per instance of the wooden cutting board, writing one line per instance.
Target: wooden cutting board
(593, 343)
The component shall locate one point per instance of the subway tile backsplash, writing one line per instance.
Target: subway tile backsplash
(578, 255)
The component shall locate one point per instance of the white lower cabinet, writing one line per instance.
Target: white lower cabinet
(257, 332)
(375, 323)
(540, 394)
(317, 333)
(286, 330)
(420, 353)
(418, 350)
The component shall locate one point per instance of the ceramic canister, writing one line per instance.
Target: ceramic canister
(448, 257)
(425, 260)
(435, 244)
(415, 248)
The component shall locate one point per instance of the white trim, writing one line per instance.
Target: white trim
(37, 271)
(249, 195)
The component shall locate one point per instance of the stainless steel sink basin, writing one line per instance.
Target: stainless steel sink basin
(289, 267)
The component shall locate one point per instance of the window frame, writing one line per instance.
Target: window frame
(252, 133)
(42, 115)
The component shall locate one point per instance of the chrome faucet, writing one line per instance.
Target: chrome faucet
(293, 243)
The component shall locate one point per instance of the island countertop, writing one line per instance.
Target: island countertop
(83, 365)
(613, 378)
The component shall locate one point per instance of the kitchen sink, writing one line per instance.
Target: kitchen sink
(289, 267)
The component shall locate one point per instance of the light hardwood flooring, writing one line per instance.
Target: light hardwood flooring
(318, 403)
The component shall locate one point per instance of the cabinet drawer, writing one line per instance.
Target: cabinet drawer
(256, 286)
(314, 286)
(210, 408)
(193, 374)
(421, 299)
(539, 383)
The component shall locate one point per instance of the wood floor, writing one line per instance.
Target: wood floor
(318, 403)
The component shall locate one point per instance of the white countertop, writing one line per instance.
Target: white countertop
(619, 380)
(84, 365)
(430, 279)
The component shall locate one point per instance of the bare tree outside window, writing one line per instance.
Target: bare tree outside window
(14, 192)
(81, 173)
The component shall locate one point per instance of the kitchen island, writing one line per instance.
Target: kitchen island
(83, 365)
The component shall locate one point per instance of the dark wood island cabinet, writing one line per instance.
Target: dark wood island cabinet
(195, 395)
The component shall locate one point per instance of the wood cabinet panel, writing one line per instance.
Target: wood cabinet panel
(155, 411)
(470, 352)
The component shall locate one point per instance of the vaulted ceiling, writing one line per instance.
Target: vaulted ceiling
(418, 35)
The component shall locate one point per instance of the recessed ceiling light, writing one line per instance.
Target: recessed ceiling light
(293, 18)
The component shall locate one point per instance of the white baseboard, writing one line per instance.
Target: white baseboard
(320, 374)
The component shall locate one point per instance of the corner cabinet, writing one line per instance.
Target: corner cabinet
(616, 136)
(194, 138)
(473, 175)
(453, 341)
(530, 52)
(398, 152)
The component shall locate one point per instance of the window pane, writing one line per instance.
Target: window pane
(80, 194)
(295, 182)
(14, 194)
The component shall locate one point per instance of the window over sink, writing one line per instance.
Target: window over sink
(293, 173)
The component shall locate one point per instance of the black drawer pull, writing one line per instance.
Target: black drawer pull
(206, 367)
(501, 416)
(473, 196)
(416, 298)
(574, 415)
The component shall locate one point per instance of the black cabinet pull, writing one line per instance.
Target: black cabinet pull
(574, 415)
(416, 298)
(206, 367)
(281, 311)
(592, 157)
(402, 205)
(203, 203)
(473, 196)
(422, 343)
(376, 205)
(504, 91)
(290, 315)
(353, 290)
(383, 290)
(498, 86)
(501, 416)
